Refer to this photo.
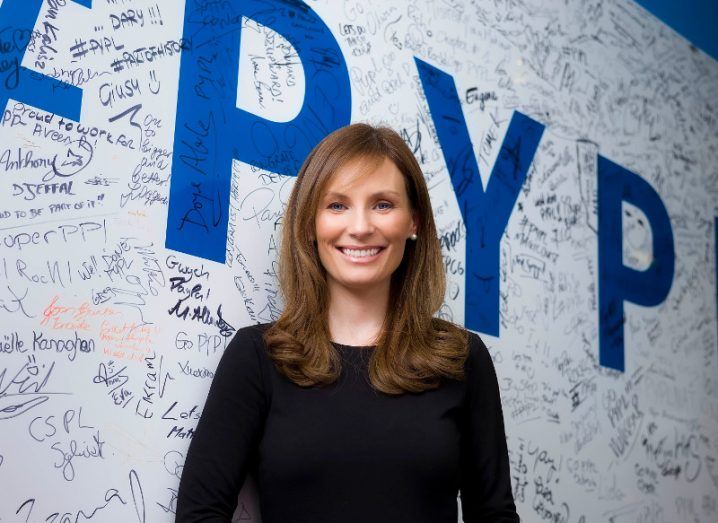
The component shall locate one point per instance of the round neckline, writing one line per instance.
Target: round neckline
(353, 346)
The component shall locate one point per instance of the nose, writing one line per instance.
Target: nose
(361, 223)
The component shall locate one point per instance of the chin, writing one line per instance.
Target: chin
(359, 284)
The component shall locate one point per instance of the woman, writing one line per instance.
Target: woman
(355, 405)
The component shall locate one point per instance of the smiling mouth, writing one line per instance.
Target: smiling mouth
(360, 253)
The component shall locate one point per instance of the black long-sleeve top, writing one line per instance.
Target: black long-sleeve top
(347, 453)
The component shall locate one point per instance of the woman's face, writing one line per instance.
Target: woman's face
(362, 225)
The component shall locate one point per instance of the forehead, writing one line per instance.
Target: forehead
(362, 174)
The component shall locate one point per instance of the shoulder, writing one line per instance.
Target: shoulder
(247, 343)
(245, 364)
(251, 333)
(478, 361)
(477, 347)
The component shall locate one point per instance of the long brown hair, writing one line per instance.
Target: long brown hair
(414, 350)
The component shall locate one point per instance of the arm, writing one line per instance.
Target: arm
(227, 435)
(485, 478)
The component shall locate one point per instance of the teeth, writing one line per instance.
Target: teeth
(360, 253)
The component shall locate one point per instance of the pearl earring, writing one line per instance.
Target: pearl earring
(413, 236)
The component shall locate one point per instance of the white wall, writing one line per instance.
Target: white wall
(101, 385)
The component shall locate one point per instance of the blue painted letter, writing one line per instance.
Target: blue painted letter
(485, 212)
(616, 282)
(18, 18)
(211, 131)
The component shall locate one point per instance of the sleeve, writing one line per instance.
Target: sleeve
(227, 435)
(485, 485)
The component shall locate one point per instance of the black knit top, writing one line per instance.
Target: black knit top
(347, 453)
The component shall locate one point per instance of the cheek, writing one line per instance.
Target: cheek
(397, 228)
(325, 228)
(325, 253)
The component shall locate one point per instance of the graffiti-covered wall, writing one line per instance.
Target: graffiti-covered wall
(147, 150)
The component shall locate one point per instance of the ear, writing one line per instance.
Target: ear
(414, 221)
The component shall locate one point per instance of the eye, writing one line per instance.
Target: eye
(331, 206)
(389, 205)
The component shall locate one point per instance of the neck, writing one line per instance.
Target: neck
(355, 316)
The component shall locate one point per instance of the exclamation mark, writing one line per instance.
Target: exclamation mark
(158, 15)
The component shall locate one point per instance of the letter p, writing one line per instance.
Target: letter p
(210, 129)
(617, 282)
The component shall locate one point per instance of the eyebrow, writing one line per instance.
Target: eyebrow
(334, 194)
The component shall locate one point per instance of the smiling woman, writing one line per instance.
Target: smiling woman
(356, 404)
(360, 189)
